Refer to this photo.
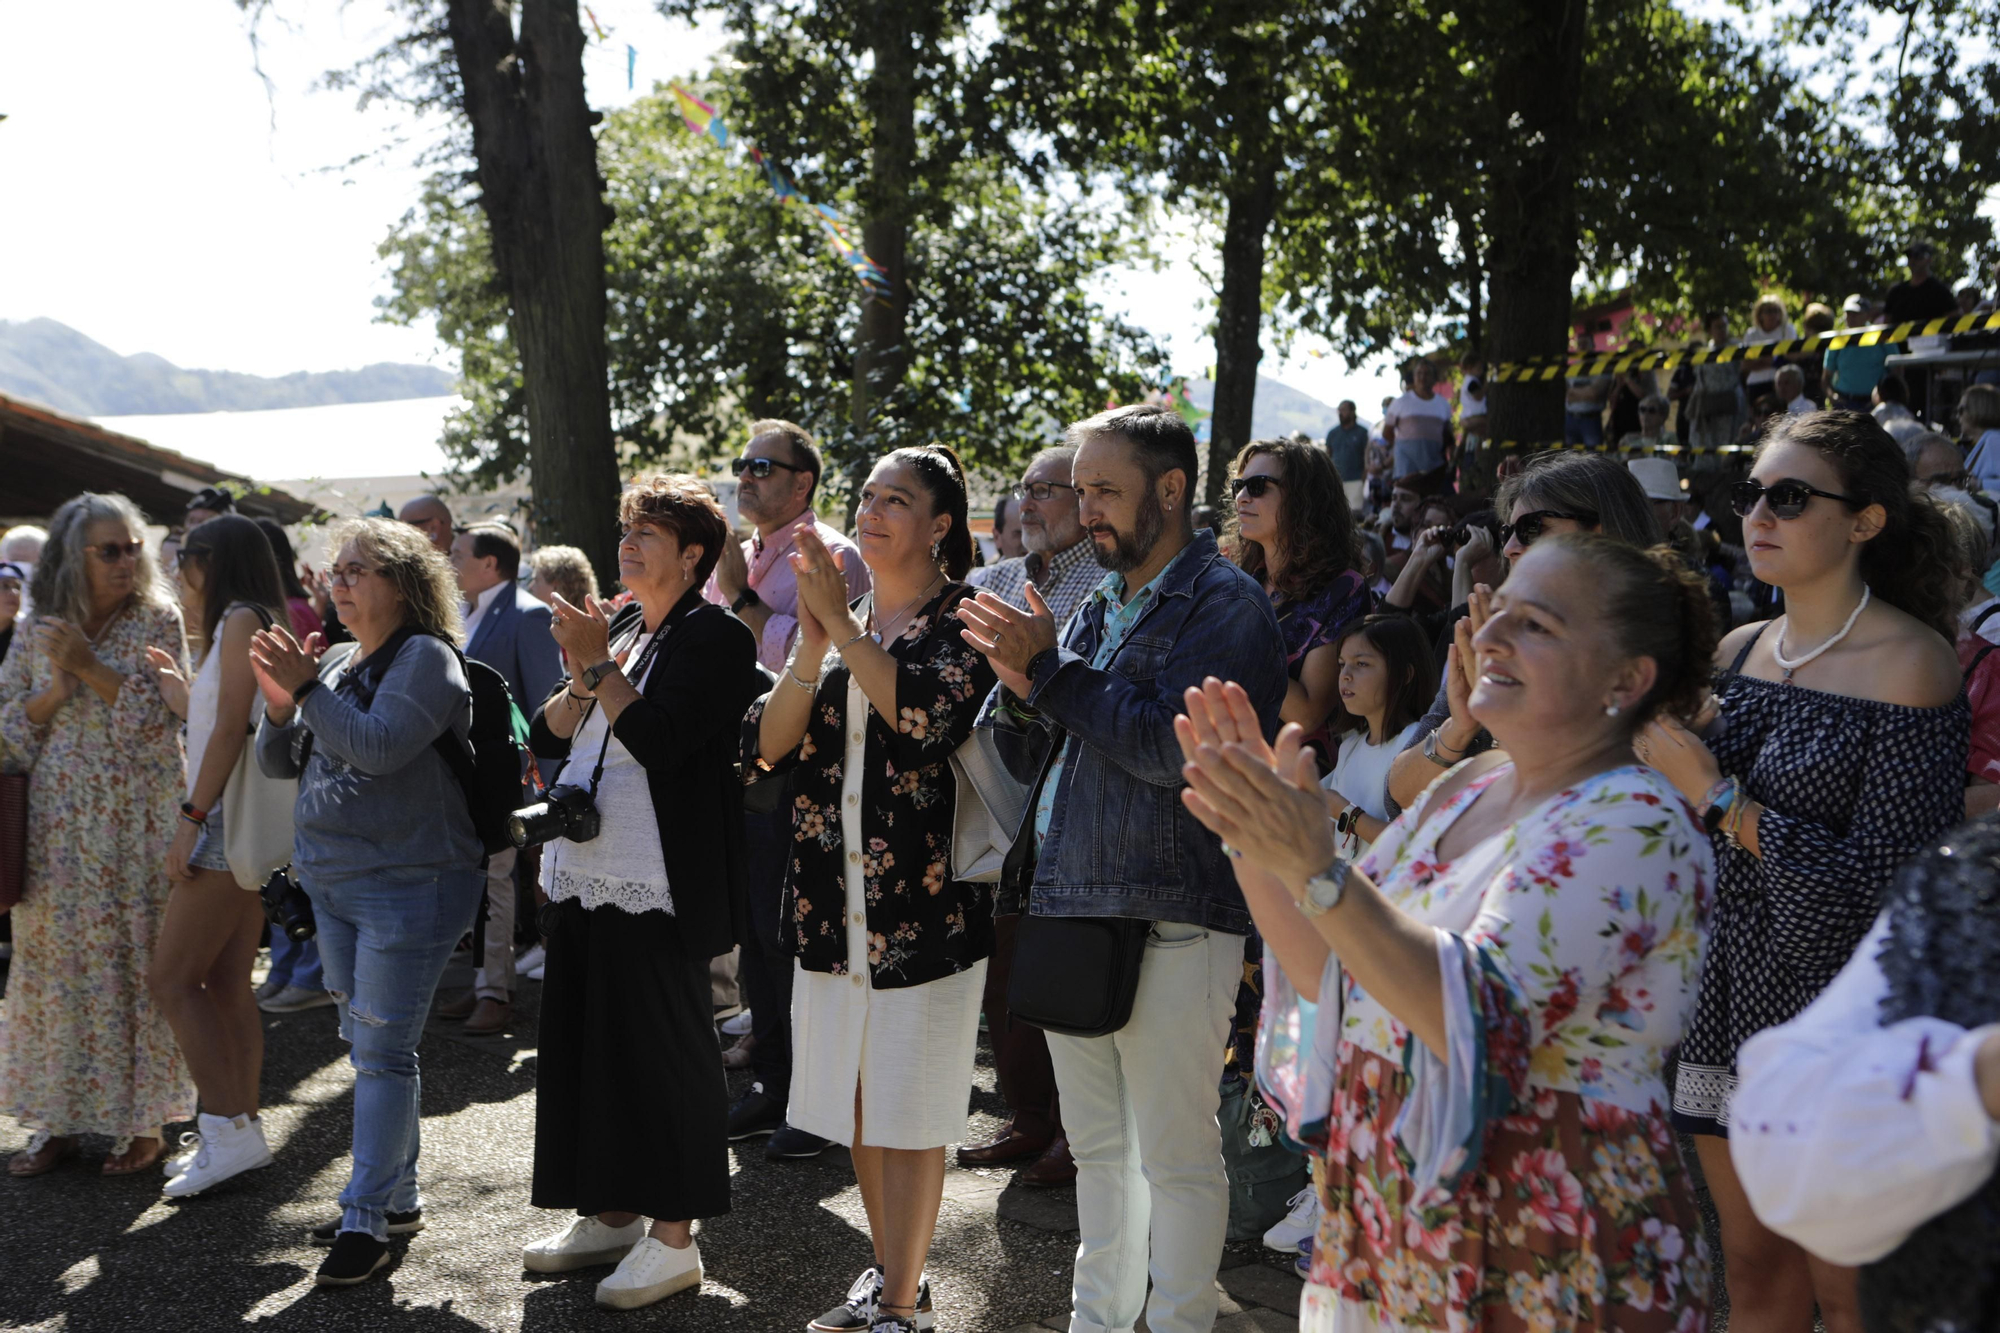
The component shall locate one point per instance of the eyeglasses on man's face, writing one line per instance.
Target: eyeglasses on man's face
(1041, 492)
(760, 468)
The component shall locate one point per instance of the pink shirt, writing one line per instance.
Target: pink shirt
(777, 585)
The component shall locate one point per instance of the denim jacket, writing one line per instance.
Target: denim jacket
(1120, 843)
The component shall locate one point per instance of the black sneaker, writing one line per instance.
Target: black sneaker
(856, 1314)
(755, 1113)
(355, 1257)
(789, 1144)
(400, 1224)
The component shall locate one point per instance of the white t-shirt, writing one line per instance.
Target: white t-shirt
(1419, 424)
(1361, 771)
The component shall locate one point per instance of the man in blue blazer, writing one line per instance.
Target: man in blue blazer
(508, 630)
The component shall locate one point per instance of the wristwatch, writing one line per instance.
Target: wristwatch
(748, 597)
(1431, 750)
(1324, 890)
(593, 674)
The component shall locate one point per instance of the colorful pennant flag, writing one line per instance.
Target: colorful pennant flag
(599, 27)
(701, 118)
(631, 64)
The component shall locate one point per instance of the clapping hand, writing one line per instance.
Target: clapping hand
(64, 645)
(1010, 638)
(172, 684)
(822, 576)
(1264, 801)
(583, 632)
(282, 664)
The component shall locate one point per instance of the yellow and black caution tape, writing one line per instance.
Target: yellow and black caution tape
(1562, 367)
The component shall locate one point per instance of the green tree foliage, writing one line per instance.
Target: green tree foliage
(725, 306)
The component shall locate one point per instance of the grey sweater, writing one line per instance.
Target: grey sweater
(375, 800)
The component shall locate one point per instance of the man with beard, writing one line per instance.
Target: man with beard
(775, 481)
(1060, 567)
(1107, 836)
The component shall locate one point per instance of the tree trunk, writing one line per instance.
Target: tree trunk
(1239, 317)
(544, 205)
(1532, 230)
(1475, 277)
(880, 358)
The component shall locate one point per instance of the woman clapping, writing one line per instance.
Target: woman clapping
(891, 949)
(1498, 980)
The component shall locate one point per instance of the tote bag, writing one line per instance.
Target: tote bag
(991, 803)
(256, 815)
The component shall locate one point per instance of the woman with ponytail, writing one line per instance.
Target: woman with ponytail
(1836, 750)
(891, 948)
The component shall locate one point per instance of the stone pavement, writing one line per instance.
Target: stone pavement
(80, 1253)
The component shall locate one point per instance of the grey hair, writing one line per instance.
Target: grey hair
(1916, 442)
(1789, 372)
(61, 586)
(25, 532)
(1061, 452)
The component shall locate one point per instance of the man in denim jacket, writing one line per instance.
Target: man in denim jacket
(1093, 717)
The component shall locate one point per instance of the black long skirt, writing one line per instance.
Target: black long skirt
(631, 1109)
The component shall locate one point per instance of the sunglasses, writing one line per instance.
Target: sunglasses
(112, 552)
(1254, 487)
(181, 556)
(1530, 526)
(760, 468)
(1787, 498)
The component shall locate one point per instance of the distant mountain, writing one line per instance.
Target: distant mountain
(54, 364)
(1279, 409)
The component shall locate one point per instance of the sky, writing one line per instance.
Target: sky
(165, 200)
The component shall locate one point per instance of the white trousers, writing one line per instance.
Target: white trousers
(1139, 1107)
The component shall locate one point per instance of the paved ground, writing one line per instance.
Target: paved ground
(82, 1253)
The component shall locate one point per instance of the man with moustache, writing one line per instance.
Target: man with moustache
(1107, 836)
(775, 481)
(1007, 529)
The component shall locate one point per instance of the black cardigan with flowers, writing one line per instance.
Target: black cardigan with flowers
(922, 924)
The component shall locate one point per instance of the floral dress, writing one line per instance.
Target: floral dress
(84, 1049)
(1530, 1180)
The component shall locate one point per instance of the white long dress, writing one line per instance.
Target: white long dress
(910, 1047)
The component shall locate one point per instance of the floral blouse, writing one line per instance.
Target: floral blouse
(922, 924)
(1570, 946)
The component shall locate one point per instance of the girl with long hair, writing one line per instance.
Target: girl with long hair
(1387, 678)
(1837, 749)
(230, 589)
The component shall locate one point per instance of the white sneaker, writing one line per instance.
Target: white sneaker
(226, 1148)
(1302, 1223)
(530, 962)
(737, 1026)
(587, 1241)
(651, 1271)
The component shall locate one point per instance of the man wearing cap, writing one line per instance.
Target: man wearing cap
(208, 502)
(1852, 372)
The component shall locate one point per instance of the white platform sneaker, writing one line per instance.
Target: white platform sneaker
(1301, 1223)
(587, 1241)
(228, 1147)
(653, 1270)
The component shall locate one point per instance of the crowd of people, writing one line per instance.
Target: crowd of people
(1481, 857)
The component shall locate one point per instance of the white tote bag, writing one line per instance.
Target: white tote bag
(990, 805)
(256, 815)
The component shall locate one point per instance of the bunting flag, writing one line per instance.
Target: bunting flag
(701, 118)
(598, 27)
(631, 64)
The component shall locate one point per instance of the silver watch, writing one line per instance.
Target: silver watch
(1324, 890)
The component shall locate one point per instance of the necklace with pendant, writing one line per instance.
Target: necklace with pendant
(1791, 664)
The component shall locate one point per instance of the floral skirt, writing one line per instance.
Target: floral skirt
(1582, 1219)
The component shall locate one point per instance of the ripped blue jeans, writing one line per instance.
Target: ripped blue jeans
(383, 943)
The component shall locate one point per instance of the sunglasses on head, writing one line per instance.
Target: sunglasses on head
(760, 468)
(112, 552)
(1530, 526)
(1787, 498)
(1254, 487)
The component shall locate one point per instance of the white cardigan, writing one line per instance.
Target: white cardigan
(1848, 1135)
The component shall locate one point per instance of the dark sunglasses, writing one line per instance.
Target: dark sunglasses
(1787, 498)
(181, 556)
(112, 552)
(760, 468)
(1254, 487)
(1530, 526)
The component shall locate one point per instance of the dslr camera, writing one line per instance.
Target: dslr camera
(565, 811)
(286, 905)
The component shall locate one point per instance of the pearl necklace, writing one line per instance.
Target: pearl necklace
(1793, 664)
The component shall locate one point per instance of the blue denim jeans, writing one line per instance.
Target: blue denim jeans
(383, 944)
(295, 962)
(1584, 428)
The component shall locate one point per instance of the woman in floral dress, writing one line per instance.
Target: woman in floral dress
(84, 1050)
(1468, 1026)
(891, 949)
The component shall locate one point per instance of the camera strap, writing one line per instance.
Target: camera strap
(640, 666)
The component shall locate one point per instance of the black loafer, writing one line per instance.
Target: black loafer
(789, 1144)
(400, 1224)
(355, 1257)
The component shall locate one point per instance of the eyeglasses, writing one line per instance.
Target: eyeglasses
(1254, 487)
(346, 576)
(1787, 498)
(1041, 492)
(760, 468)
(1528, 527)
(112, 552)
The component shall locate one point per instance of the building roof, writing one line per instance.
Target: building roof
(48, 456)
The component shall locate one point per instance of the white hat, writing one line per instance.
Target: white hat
(1658, 478)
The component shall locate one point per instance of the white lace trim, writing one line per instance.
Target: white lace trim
(1703, 1090)
(627, 895)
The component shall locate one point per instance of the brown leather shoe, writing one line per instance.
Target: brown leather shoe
(460, 1007)
(738, 1056)
(489, 1016)
(1011, 1145)
(1054, 1167)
